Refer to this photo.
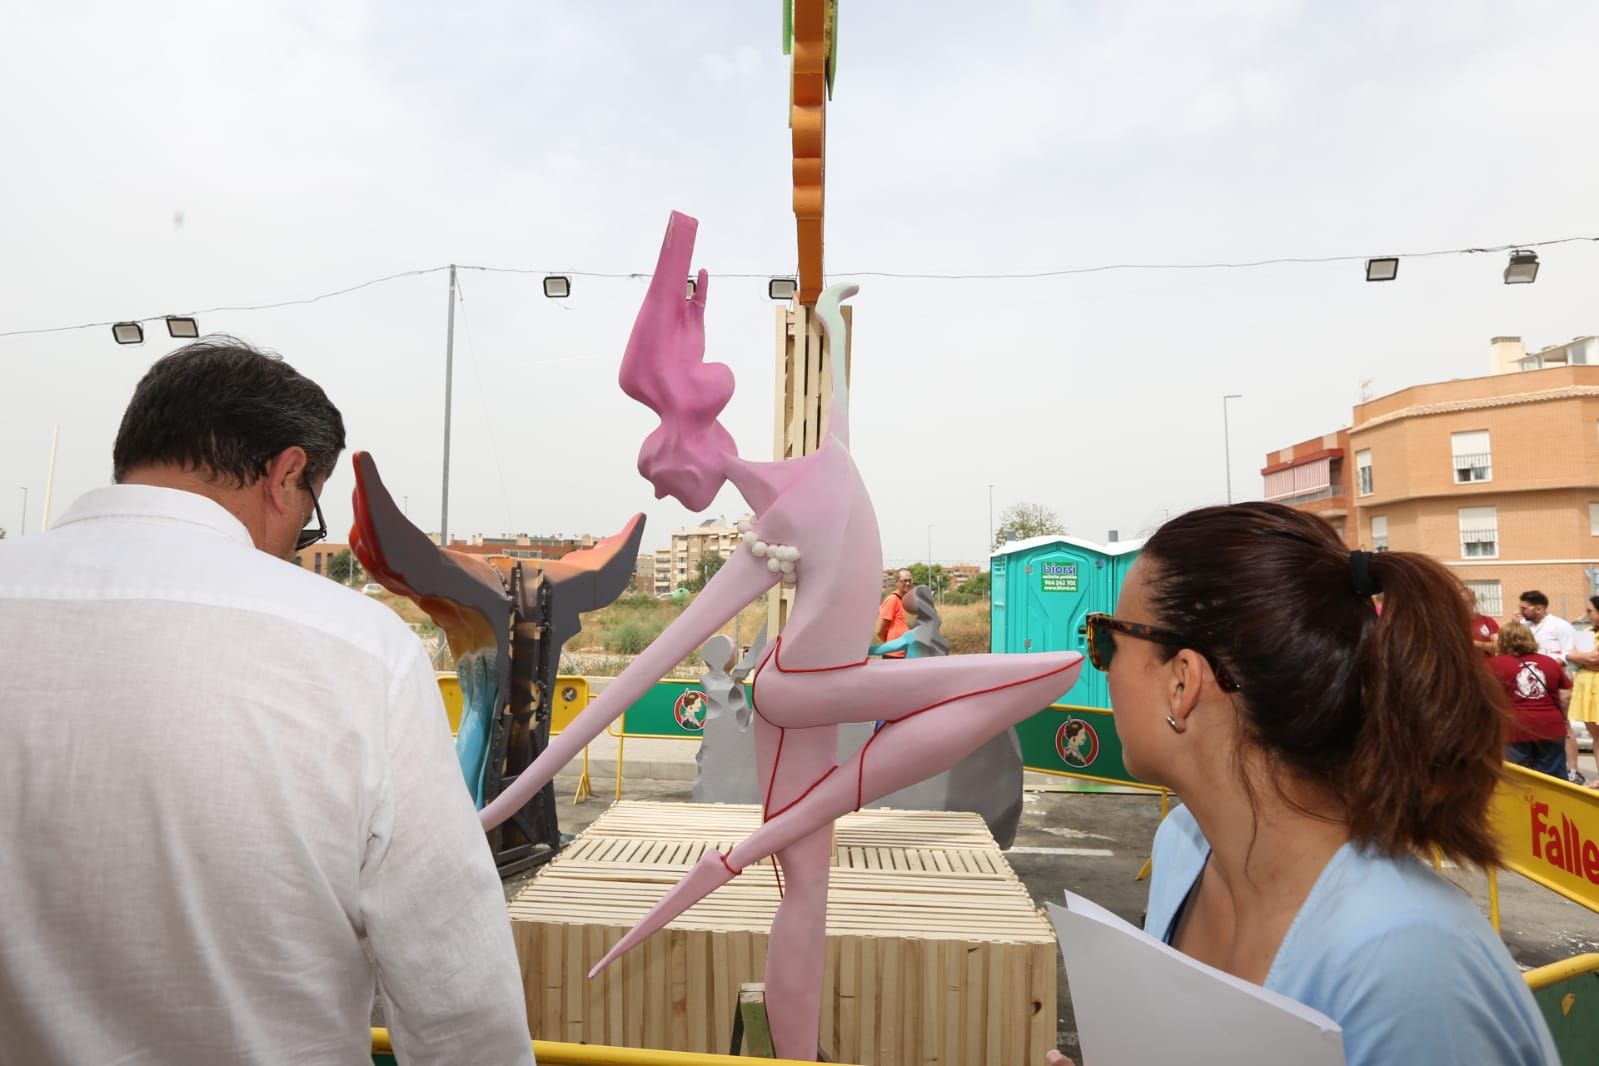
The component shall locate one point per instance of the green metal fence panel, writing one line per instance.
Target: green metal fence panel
(1075, 741)
(1572, 1010)
(672, 710)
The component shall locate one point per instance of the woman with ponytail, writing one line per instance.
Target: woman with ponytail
(1324, 754)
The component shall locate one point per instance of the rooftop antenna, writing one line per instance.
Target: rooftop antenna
(1365, 389)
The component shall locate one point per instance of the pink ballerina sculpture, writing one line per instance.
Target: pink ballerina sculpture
(814, 530)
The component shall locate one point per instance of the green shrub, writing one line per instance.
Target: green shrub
(634, 635)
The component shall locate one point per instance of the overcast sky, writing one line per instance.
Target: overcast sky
(166, 157)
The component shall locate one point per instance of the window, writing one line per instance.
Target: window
(1479, 533)
(1490, 601)
(1593, 520)
(1379, 532)
(1473, 459)
(1363, 472)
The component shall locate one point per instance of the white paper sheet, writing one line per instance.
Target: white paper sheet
(1139, 1002)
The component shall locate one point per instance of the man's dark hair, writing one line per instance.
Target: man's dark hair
(225, 409)
(1534, 597)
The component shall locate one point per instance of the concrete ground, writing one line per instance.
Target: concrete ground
(1539, 926)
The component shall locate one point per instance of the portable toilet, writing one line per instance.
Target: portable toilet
(1043, 588)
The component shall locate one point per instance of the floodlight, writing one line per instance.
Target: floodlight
(128, 333)
(1522, 269)
(557, 286)
(1382, 269)
(782, 288)
(182, 327)
(690, 293)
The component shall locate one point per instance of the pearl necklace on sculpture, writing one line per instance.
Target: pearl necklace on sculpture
(780, 558)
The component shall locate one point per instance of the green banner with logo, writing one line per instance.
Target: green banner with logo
(1075, 742)
(673, 710)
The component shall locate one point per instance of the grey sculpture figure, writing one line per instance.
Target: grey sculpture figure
(725, 762)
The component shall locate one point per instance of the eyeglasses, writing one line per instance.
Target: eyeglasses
(311, 534)
(1102, 646)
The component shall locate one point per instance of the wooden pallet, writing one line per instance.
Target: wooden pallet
(935, 953)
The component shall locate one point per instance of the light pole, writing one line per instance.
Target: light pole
(23, 528)
(449, 379)
(930, 582)
(1226, 441)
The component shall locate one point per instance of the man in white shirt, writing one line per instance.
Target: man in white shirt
(1555, 635)
(220, 772)
(1556, 639)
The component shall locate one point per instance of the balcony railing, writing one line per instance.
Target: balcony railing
(1469, 468)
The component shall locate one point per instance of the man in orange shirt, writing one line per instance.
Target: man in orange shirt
(891, 616)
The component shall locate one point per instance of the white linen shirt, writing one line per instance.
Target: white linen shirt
(218, 772)
(1556, 637)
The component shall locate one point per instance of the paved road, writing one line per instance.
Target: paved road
(1539, 927)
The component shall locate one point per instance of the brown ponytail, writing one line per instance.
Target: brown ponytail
(1430, 750)
(1396, 714)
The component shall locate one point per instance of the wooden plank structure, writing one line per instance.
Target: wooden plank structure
(804, 392)
(935, 952)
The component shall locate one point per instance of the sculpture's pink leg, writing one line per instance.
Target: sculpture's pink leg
(795, 952)
(903, 752)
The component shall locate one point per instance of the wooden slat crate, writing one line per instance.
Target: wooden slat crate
(935, 953)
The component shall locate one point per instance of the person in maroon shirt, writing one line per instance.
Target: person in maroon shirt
(1539, 691)
(1484, 630)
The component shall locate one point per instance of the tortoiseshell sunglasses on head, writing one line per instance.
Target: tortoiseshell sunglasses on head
(1102, 646)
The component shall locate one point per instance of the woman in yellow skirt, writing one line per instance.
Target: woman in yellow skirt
(1585, 690)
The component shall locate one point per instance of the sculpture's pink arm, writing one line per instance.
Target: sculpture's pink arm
(739, 582)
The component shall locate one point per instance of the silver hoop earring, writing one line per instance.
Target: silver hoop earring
(1173, 723)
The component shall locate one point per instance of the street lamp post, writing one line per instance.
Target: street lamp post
(23, 528)
(930, 582)
(1226, 441)
(449, 380)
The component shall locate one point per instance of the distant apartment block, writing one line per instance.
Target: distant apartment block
(1496, 477)
(960, 573)
(317, 557)
(674, 567)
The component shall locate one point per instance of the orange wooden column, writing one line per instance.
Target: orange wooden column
(808, 129)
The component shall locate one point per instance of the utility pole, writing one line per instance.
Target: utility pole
(22, 529)
(1226, 442)
(449, 382)
(991, 518)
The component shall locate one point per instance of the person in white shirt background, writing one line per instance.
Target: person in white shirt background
(1556, 639)
(222, 772)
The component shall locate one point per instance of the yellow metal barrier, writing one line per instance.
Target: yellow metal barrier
(550, 1053)
(1549, 830)
(1564, 970)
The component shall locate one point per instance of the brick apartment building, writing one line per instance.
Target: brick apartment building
(1496, 477)
(1314, 476)
(317, 557)
(677, 565)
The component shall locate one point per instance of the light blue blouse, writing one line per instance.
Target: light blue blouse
(1392, 952)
